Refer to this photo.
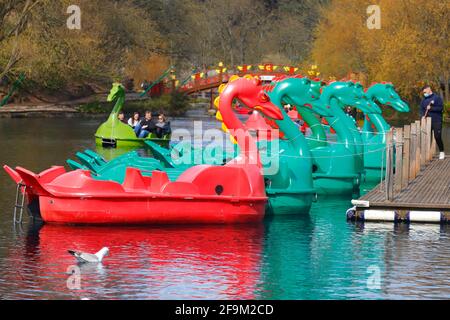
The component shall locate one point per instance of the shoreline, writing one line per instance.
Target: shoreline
(67, 110)
(71, 109)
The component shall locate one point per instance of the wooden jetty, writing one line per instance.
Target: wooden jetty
(416, 186)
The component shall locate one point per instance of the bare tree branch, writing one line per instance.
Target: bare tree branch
(9, 7)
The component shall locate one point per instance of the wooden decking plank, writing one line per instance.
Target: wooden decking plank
(421, 191)
(430, 189)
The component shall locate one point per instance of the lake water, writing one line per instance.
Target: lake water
(316, 256)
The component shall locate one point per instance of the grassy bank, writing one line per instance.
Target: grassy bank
(175, 104)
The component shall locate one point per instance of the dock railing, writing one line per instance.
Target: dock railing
(409, 150)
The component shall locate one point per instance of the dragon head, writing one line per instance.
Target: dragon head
(362, 102)
(116, 91)
(386, 95)
(249, 91)
(299, 92)
(349, 93)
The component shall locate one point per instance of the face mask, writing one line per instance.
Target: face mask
(426, 95)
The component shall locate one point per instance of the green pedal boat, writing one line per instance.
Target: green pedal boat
(115, 134)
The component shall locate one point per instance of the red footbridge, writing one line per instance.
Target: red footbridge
(209, 80)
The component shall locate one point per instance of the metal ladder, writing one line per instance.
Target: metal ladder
(20, 203)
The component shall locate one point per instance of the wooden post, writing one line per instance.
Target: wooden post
(423, 142)
(429, 138)
(391, 169)
(386, 176)
(389, 180)
(418, 149)
(406, 154)
(398, 160)
(412, 152)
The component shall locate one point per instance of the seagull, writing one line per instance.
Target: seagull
(83, 257)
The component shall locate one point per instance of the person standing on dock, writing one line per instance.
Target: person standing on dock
(433, 106)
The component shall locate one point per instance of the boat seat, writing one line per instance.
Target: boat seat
(50, 174)
(135, 181)
(159, 180)
(100, 160)
(87, 161)
(75, 165)
(80, 182)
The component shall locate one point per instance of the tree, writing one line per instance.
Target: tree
(14, 16)
(337, 47)
(203, 32)
(415, 45)
(115, 38)
(411, 47)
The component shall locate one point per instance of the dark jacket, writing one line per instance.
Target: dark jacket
(150, 123)
(163, 128)
(437, 107)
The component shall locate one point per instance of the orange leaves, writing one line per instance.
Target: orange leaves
(409, 47)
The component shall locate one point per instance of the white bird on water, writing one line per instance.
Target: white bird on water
(89, 257)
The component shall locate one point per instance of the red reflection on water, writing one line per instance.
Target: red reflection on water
(164, 262)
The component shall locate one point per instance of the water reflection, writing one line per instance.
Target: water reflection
(316, 256)
(287, 255)
(144, 263)
(413, 259)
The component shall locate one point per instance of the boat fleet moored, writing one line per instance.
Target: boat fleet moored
(240, 187)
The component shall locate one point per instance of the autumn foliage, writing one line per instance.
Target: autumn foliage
(140, 39)
(411, 47)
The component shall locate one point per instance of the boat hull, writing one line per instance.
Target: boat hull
(133, 211)
(335, 186)
(373, 175)
(289, 203)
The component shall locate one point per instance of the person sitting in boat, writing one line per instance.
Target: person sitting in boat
(135, 120)
(162, 126)
(121, 117)
(146, 126)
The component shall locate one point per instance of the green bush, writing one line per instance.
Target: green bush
(95, 107)
(175, 104)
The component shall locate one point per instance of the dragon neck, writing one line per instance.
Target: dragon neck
(117, 107)
(247, 146)
(379, 122)
(291, 130)
(341, 123)
(317, 130)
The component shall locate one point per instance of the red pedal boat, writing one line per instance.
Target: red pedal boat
(233, 193)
